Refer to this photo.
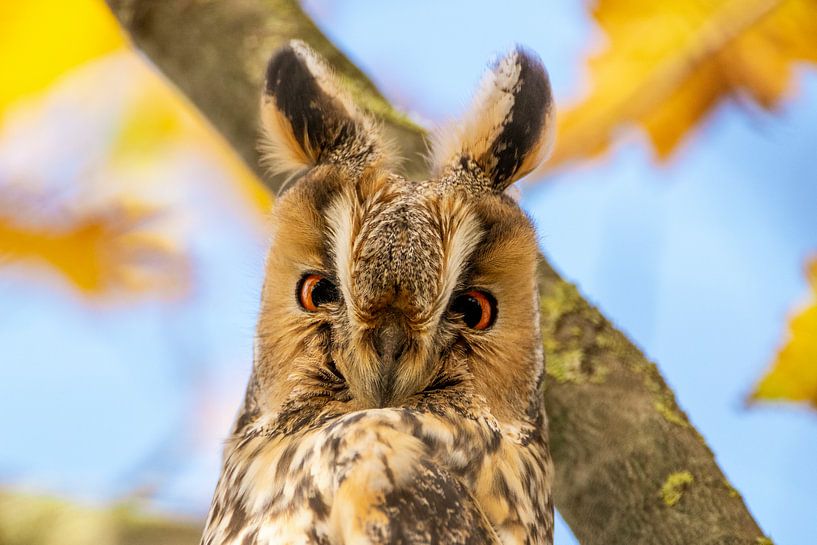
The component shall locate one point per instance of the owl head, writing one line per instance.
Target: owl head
(386, 292)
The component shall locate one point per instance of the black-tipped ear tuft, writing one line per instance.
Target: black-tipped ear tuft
(508, 129)
(308, 119)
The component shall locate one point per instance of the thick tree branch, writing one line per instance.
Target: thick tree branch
(630, 467)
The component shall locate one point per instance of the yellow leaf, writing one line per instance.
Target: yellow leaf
(150, 123)
(161, 114)
(668, 63)
(100, 252)
(109, 251)
(793, 376)
(64, 220)
(42, 39)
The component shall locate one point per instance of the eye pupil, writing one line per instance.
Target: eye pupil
(324, 292)
(315, 290)
(478, 309)
(470, 309)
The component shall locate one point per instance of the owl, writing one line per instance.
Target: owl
(396, 389)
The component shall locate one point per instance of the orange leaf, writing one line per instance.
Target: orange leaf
(100, 252)
(669, 63)
(793, 376)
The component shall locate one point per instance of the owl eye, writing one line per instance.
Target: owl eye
(315, 290)
(478, 309)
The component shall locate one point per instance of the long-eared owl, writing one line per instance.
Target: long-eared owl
(396, 390)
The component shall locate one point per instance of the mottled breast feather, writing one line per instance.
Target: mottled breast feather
(433, 473)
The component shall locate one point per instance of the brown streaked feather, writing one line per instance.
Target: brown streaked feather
(309, 119)
(508, 130)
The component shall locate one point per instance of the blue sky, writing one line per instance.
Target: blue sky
(700, 261)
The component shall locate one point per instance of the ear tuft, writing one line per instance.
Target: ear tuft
(507, 131)
(309, 119)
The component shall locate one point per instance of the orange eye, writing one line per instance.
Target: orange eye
(315, 290)
(478, 309)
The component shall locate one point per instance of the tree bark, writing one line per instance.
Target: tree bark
(630, 468)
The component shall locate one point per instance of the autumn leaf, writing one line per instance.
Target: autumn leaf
(41, 39)
(667, 64)
(793, 376)
(101, 252)
(160, 116)
(87, 222)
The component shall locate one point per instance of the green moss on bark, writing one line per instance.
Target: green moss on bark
(675, 486)
(671, 414)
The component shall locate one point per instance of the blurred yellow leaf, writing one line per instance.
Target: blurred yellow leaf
(73, 219)
(101, 252)
(108, 251)
(149, 123)
(793, 376)
(668, 63)
(41, 39)
(161, 114)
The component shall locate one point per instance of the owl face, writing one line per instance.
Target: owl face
(387, 292)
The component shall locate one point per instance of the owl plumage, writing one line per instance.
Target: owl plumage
(395, 396)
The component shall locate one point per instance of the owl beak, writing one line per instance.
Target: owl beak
(389, 344)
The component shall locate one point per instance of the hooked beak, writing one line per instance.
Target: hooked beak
(387, 365)
(389, 343)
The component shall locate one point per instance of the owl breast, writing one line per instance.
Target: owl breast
(369, 475)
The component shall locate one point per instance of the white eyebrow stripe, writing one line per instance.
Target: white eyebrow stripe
(461, 233)
(342, 220)
(460, 230)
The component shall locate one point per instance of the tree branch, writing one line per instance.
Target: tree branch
(630, 468)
